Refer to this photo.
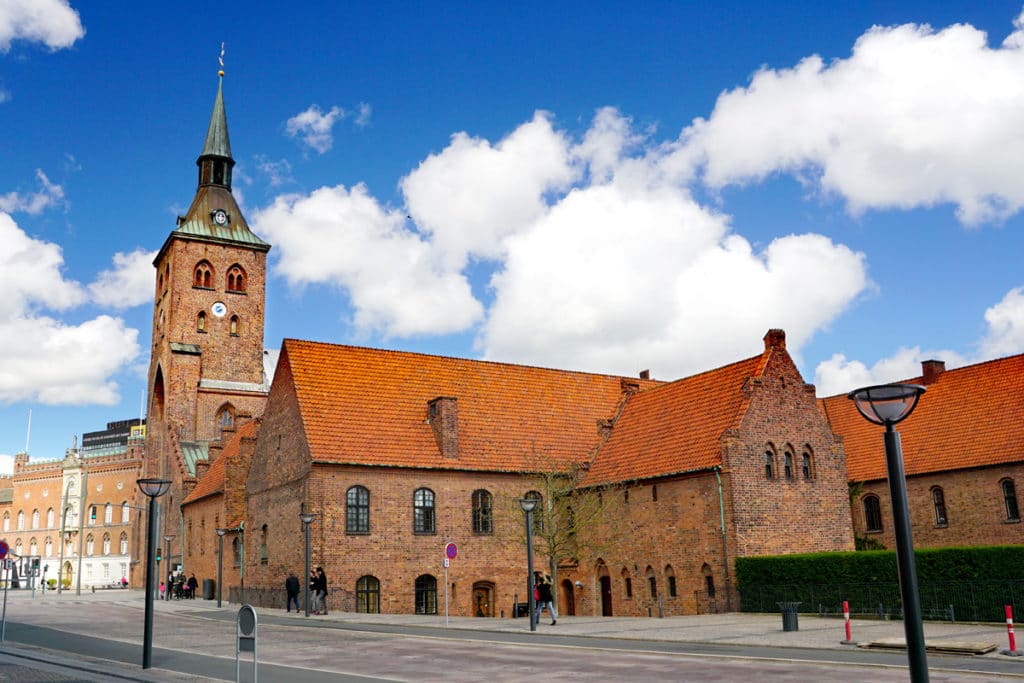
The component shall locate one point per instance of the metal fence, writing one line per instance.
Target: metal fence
(950, 601)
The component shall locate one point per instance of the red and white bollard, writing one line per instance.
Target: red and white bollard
(846, 616)
(1013, 651)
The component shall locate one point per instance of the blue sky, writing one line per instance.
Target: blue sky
(575, 185)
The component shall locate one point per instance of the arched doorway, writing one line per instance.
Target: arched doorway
(67, 575)
(483, 599)
(567, 599)
(605, 582)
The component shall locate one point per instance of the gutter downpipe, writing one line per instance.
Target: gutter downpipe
(725, 544)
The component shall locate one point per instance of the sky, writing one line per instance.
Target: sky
(601, 186)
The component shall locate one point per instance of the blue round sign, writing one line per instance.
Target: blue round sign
(451, 551)
(4, 549)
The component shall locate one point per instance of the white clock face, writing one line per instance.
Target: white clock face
(219, 309)
(220, 217)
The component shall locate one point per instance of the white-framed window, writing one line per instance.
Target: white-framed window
(7, 521)
(89, 545)
(21, 520)
(124, 544)
(49, 547)
(125, 513)
(106, 544)
(49, 518)
(35, 519)
(108, 514)
(33, 547)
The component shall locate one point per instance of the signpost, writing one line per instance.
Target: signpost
(6, 565)
(451, 551)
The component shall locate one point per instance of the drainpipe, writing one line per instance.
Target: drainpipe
(725, 544)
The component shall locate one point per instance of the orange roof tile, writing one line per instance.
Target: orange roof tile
(676, 427)
(213, 481)
(968, 417)
(369, 406)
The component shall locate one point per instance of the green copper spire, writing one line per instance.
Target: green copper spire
(217, 141)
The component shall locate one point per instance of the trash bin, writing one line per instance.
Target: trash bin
(208, 589)
(789, 615)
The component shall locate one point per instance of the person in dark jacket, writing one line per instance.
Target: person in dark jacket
(321, 588)
(291, 588)
(545, 597)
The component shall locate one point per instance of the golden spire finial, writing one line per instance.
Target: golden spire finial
(221, 60)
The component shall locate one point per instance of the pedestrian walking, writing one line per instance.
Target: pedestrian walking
(314, 592)
(321, 583)
(291, 589)
(545, 597)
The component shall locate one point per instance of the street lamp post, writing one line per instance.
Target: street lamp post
(527, 504)
(307, 518)
(220, 560)
(153, 488)
(168, 538)
(886, 405)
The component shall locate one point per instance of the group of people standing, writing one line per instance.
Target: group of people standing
(317, 591)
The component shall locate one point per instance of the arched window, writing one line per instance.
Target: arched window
(670, 577)
(652, 582)
(203, 276)
(123, 543)
(21, 520)
(1010, 500)
(423, 511)
(264, 558)
(201, 322)
(357, 510)
(106, 544)
(368, 595)
(872, 514)
(108, 514)
(49, 518)
(709, 580)
(7, 521)
(236, 279)
(35, 520)
(48, 547)
(627, 583)
(33, 547)
(89, 543)
(538, 509)
(236, 551)
(225, 419)
(787, 464)
(482, 512)
(769, 464)
(426, 594)
(807, 465)
(17, 547)
(234, 326)
(92, 515)
(939, 503)
(126, 514)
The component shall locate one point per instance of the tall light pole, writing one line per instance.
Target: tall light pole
(168, 538)
(886, 405)
(307, 518)
(527, 504)
(153, 488)
(220, 560)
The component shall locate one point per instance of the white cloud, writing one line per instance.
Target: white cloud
(1005, 335)
(5, 95)
(51, 22)
(49, 195)
(130, 283)
(363, 117)
(314, 127)
(346, 238)
(278, 172)
(6, 464)
(912, 118)
(43, 359)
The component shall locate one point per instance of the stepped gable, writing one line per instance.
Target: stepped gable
(212, 482)
(371, 407)
(676, 427)
(968, 417)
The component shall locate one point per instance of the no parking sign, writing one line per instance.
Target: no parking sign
(4, 549)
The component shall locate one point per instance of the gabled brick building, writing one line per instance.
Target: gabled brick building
(963, 452)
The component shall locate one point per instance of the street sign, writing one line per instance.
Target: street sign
(451, 550)
(4, 549)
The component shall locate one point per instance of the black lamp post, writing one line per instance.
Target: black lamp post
(307, 518)
(220, 560)
(153, 488)
(528, 504)
(168, 538)
(886, 405)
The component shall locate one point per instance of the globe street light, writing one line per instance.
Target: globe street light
(220, 560)
(307, 518)
(527, 504)
(886, 405)
(153, 488)
(168, 538)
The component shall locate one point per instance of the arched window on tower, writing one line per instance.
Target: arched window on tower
(201, 322)
(225, 419)
(234, 326)
(236, 279)
(203, 276)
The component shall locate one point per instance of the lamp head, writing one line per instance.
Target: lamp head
(169, 537)
(886, 404)
(154, 488)
(221, 532)
(307, 517)
(528, 504)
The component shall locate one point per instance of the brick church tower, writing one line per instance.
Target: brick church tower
(206, 370)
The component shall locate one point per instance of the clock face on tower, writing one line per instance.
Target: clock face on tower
(220, 217)
(219, 309)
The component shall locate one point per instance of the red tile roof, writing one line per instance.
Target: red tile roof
(676, 427)
(369, 406)
(968, 417)
(213, 481)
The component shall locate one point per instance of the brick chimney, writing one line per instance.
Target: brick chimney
(775, 339)
(931, 369)
(443, 417)
(645, 374)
